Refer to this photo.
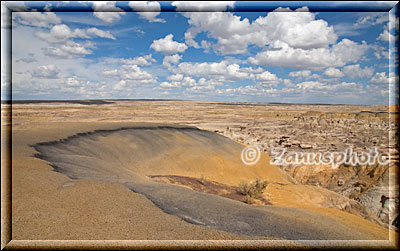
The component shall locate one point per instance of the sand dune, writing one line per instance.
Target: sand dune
(128, 156)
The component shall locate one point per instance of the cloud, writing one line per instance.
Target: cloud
(337, 56)
(234, 34)
(169, 85)
(131, 73)
(386, 36)
(120, 86)
(144, 60)
(107, 12)
(47, 7)
(262, 42)
(176, 77)
(329, 89)
(100, 33)
(221, 71)
(46, 71)
(108, 17)
(111, 73)
(73, 82)
(381, 84)
(203, 5)
(309, 91)
(249, 91)
(61, 33)
(333, 73)
(167, 45)
(346, 29)
(201, 89)
(38, 19)
(354, 71)
(178, 81)
(27, 60)
(134, 72)
(251, 69)
(312, 85)
(267, 78)
(148, 10)
(83, 88)
(173, 59)
(297, 29)
(380, 51)
(300, 74)
(372, 19)
(188, 81)
(380, 78)
(16, 6)
(69, 50)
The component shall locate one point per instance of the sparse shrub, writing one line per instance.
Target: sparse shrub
(252, 189)
(202, 179)
(249, 200)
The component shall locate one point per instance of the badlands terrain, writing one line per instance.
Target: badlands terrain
(172, 170)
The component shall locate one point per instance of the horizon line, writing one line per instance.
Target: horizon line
(20, 101)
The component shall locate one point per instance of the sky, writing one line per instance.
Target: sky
(275, 53)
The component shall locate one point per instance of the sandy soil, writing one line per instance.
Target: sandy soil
(47, 205)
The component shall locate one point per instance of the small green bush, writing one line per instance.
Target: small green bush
(252, 189)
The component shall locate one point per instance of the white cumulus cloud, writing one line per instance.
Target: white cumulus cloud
(147, 10)
(61, 33)
(380, 78)
(386, 36)
(333, 73)
(132, 74)
(38, 19)
(169, 85)
(338, 55)
(168, 46)
(69, 50)
(203, 5)
(234, 34)
(107, 11)
(354, 71)
(100, 33)
(300, 74)
(172, 59)
(267, 78)
(222, 71)
(142, 60)
(176, 77)
(334, 89)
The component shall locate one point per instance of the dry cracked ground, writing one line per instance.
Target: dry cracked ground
(114, 170)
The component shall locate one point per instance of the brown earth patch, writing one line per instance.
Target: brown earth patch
(207, 186)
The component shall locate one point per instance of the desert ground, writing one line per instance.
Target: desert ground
(172, 170)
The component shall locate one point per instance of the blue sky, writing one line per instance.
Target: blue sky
(272, 54)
